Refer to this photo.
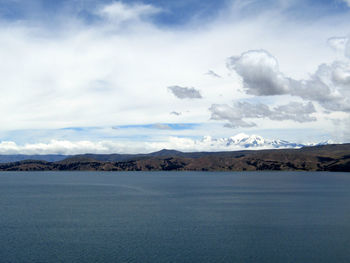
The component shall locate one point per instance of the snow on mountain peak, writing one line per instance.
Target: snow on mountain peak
(239, 137)
(245, 141)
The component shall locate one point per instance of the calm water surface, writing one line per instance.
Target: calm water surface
(174, 217)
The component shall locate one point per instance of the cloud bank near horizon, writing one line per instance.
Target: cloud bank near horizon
(206, 143)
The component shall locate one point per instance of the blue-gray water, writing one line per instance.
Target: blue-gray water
(174, 217)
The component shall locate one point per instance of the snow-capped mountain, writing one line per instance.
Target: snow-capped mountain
(244, 141)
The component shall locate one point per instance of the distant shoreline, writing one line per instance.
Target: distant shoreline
(333, 158)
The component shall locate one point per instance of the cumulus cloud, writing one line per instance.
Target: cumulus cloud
(185, 93)
(261, 77)
(237, 114)
(329, 86)
(260, 73)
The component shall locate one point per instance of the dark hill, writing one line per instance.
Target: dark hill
(317, 158)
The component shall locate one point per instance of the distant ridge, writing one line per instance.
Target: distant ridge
(238, 142)
(165, 152)
(333, 157)
(21, 157)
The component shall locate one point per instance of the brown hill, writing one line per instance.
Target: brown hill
(318, 158)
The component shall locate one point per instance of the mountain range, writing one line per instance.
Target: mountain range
(244, 141)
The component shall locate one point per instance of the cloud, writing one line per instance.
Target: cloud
(347, 49)
(205, 143)
(338, 43)
(295, 111)
(106, 147)
(72, 147)
(230, 114)
(53, 147)
(329, 85)
(340, 73)
(260, 73)
(175, 113)
(237, 114)
(108, 65)
(185, 93)
(213, 74)
(119, 12)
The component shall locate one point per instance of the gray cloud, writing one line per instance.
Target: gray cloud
(234, 115)
(329, 85)
(295, 111)
(185, 93)
(213, 74)
(260, 73)
(175, 113)
(237, 114)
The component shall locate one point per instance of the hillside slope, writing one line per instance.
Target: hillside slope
(335, 157)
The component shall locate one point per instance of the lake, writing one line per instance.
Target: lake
(174, 217)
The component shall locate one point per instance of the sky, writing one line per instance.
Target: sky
(137, 76)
